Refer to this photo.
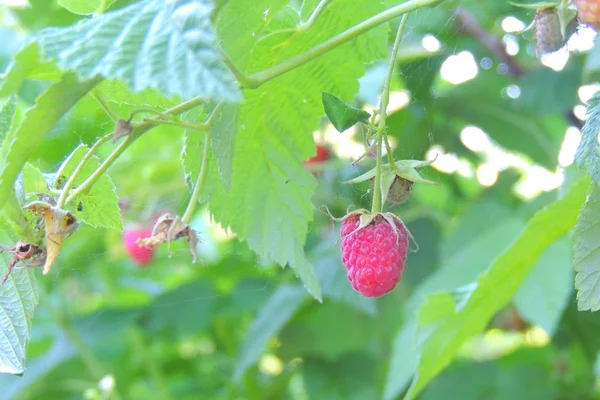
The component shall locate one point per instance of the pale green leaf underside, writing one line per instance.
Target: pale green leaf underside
(586, 257)
(166, 45)
(444, 329)
(587, 155)
(223, 131)
(18, 299)
(38, 121)
(269, 201)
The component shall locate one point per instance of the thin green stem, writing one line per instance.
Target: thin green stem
(388, 150)
(189, 211)
(150, 364)
(145, 109)
(69, 184)
(381, 129)
(104, 104)
(182, 124)
(243, 79)
(376, 206)
(138, 131)
(315, 14)
(257, 79)
(385, 95)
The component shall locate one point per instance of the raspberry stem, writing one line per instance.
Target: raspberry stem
(189, 211)
(382, 126)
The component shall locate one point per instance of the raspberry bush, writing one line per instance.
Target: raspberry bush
(330, 199)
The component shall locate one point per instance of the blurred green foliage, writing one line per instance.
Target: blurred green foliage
(237, 325)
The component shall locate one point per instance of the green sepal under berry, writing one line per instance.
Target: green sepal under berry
(366, 217)
(341, 114)
(406, 169)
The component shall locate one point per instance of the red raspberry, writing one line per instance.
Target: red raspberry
(588, 12)
(322, 155)
(142, 256)
(374, 256)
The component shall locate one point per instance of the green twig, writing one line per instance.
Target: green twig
(257, 79)
(96, 94)
(138, 131)
(381, 129)
(376, 206)
(182, 124)
(313, 17)
(189, 211)
(69, 184)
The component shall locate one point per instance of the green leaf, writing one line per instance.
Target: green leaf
(269, 202)
(27, 65)
(274, 314)
(18, 299)
(222, 136)
(587, 156)
(33, 180)
(84, 7)
(140, 42)
(37, 123)
(7, 115)
(341, 114)
(586, 258)
(191, 156)
(98, 207)
(543, 296)
(446, 320)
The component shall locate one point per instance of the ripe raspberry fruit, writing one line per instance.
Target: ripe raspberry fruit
(588, 12)
(322, 155)
(142, 256)
(374, 255)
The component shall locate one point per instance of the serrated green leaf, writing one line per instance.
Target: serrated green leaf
(191, 156)
(27, 65)
(18, 299)
(7, 115)
(38, 121)
(223, 130)
(33, 180)
(586, 257)
(269, 202)
(139, 42)
(274, 314)
(341, 114)
(84, 7)
(587, 156)
(99, 207)
(447, 319)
